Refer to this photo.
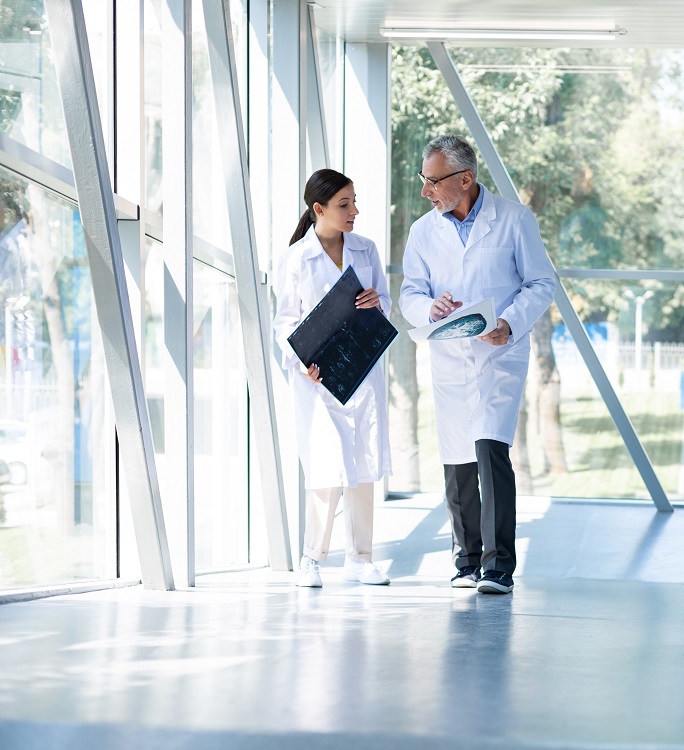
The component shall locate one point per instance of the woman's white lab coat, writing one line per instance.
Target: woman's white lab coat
(477, 386)
(339, 446)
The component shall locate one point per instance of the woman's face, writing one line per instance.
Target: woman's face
(339, 213)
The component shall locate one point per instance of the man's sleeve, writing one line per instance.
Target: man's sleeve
(416, 296)
(538, 283)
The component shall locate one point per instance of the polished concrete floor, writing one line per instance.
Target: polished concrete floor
(588, 652)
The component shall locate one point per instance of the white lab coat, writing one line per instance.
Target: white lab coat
(339, 446)
(478, 387)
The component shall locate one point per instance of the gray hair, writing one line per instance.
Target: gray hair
(458, 152)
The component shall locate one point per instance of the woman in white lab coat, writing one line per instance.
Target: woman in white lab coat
(343, 449)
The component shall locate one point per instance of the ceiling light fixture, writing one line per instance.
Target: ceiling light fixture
(495, 34)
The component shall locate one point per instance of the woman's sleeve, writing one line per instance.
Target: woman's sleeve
(380, 280)
(288, 309)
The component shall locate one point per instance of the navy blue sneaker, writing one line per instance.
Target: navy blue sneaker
(466, 578)
(495, 582)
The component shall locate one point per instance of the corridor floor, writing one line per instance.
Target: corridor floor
(588, 652)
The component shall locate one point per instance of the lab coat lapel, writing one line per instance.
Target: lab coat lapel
(482, 225)
(325, 269)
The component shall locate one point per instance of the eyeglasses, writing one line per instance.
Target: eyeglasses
(433, 183)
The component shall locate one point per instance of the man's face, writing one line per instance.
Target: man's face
(447, 194)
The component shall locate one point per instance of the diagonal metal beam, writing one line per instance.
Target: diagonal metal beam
(96, 204)
(254, 317)
(507, 189)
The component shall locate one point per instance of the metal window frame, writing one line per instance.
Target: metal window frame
(54, 177)
(620, 275)
(98, 216)
(179, 486)
(287, 175)
(506, 187)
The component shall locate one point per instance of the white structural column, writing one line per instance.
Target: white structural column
(254, 315)
(367, 137)
(318, 137)
(507, 189)
(178, 475)
(96, 203)
(288, 179)
(367, 149)
(129, 183)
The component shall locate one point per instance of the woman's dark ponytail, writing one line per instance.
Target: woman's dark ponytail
(320, 188)
(303, 227)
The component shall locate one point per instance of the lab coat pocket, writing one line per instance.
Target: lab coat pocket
(496, 267)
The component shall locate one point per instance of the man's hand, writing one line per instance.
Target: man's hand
(367, 298)
(499, 336)
(443, 306)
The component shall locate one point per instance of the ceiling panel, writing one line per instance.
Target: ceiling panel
(648, 24)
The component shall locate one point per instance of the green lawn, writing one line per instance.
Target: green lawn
(598, 462)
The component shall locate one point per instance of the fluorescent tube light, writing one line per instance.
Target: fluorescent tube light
(494, 34)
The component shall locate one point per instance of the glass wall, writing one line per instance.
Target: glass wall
(210, 211)
(153, 105)
(57, 436)
(56, 454)
(221, 491)
(331, 66)
(30, 107)
(593, 142)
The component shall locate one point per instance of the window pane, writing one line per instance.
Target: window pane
(569, 125)
(154, 341)
(98, 25)
(220, 402)
(56, 505)
(153, 105)
(210, 211)
(221, 506)
(639, 338)
(30, 107)
(331, 62)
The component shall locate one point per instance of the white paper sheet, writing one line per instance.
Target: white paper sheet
(476, 320)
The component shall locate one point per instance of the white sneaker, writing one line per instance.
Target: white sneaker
(309, 573)
(364, 572)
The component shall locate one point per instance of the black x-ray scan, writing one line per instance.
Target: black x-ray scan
(343, 341)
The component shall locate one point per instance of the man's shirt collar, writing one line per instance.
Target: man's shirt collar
(470, 218)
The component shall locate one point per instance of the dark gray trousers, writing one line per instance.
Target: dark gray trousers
(483, 513)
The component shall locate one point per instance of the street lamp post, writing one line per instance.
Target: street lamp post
(638, 322)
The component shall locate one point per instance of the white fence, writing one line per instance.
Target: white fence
(659, 366)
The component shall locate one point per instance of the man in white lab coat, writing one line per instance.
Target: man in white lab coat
(471, 246)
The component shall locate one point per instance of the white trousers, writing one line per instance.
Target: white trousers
(358, 521)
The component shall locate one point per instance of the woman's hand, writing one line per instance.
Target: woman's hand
(314, 373)
(443, 306)
(367, 298)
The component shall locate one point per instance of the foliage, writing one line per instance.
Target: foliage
(593, 142)
(17, 17)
